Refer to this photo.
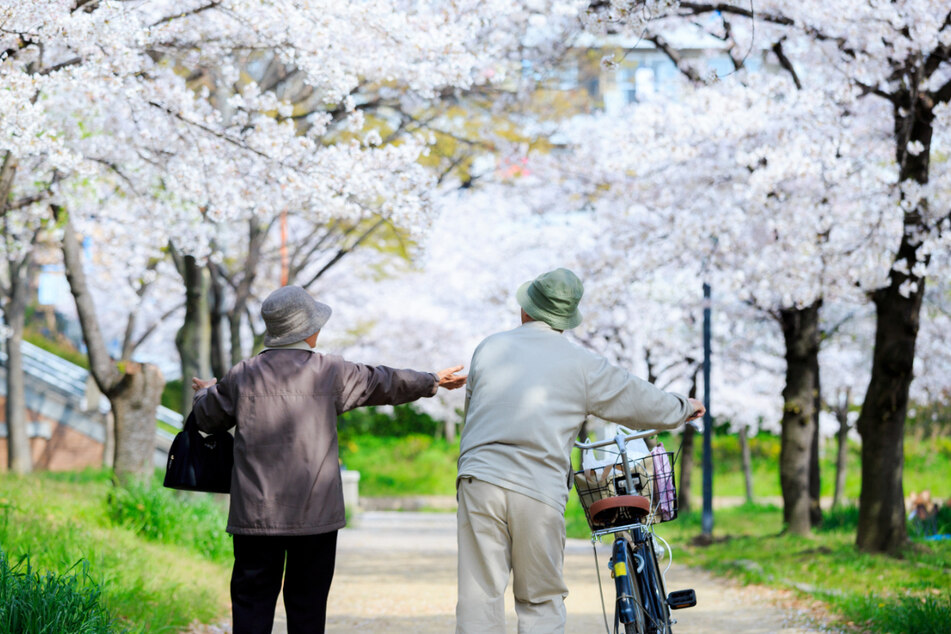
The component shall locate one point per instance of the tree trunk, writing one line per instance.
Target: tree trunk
(897, 313)
(194, 337)
(815, 483)
(130, 387)
(842, 450)
(237, 351)
(449, 428)
(220, 348)
(242, 294)
(882, 422)
(19, 455)
(135, 401)
(801, 333)
(747, 463)
(686, 457)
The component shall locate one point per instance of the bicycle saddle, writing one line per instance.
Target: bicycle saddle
(606, 511)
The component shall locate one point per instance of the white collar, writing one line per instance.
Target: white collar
(297, 345)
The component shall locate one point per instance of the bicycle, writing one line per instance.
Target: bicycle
(626, 500)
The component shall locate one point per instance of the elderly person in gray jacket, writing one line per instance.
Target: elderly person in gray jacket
(528, 393)
(286, 492)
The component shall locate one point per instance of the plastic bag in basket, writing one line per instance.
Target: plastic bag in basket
(664, 489)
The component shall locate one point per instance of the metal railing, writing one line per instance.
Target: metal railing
(72, 380)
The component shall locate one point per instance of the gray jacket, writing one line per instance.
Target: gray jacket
(529, 391)
(284, 404)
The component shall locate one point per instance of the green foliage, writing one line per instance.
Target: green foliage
(35, 603)
(59, 519)
(193, 520)
(930, 420)
(412, 465)
(172, 395)
(402, 420)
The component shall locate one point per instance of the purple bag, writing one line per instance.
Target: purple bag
(665, 493)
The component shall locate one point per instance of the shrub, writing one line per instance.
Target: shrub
(31, 602)
(398, 421)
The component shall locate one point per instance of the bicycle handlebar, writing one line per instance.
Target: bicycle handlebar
(633, 436)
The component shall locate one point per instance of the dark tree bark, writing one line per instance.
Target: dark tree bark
(220, 346)
(841, 411)
(242, 290)
(686, 456)
(897, 312)
(801, 333)
(194, 337)
(815, 483)
(133, 389)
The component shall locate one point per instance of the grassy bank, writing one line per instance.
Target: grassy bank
(869, 592)
(150, 576)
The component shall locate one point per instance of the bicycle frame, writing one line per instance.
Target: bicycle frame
(633, 559)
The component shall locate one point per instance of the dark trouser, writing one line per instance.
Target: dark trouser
(256, 581)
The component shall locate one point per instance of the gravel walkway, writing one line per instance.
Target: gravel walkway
(396, 573)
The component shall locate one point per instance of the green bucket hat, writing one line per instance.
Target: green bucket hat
(553, 298)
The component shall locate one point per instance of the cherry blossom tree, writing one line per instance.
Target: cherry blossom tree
(898, 53)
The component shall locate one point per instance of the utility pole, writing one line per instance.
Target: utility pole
(707, 517)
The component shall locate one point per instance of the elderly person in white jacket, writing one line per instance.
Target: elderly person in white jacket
(528, 393)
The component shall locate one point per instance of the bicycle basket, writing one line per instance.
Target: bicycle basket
(653, 478)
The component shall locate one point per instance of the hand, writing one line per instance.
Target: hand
(698, 409)
(449, 379)
(200, 384)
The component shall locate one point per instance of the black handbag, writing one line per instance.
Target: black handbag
(200, 463)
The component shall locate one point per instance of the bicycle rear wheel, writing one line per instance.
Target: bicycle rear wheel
(653, 593)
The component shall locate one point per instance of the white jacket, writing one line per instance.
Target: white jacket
(529, 390)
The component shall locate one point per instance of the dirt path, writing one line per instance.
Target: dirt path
(396, 573)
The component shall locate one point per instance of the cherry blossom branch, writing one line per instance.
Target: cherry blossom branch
(185, 14)
(674, 55)
(785, 62)
(208, 130)
(102, 367)
(697, 8)
(943, 94)
(148, 331)
(343, 252)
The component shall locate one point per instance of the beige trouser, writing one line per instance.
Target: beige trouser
(501, 531)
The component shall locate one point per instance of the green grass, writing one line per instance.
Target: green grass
(872, 592)
(927, 466)
(411, 465)
(61, 519)
(192, 520)
(35, 603)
